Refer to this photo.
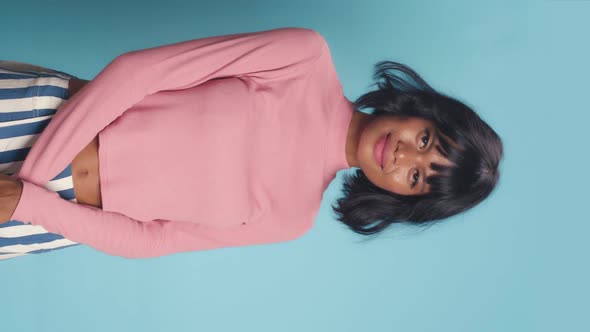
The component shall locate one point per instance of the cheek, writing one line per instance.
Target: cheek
(398, 181)
(395, 181)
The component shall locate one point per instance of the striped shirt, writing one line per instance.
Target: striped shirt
(29, 97)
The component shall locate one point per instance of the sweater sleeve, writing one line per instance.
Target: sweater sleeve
(262, 56)
(116, 234)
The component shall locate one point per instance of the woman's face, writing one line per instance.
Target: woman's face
(407, 145)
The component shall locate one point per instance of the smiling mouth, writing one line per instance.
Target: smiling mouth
(384, 153)
(382, 150)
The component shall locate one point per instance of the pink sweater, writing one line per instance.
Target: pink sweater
(214, 142)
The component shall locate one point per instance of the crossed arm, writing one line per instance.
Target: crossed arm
(10, 187)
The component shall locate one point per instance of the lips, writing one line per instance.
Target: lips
(380, 150)
(385, 154)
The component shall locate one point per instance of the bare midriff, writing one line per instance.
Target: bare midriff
(85, 166)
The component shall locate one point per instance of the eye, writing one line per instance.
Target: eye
(415, 178)
(425, 139)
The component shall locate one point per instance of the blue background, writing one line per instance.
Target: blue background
(517, 262)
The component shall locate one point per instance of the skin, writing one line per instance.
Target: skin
(85, 166)
(408, 156)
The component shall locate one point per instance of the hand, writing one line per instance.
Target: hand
(10, 190)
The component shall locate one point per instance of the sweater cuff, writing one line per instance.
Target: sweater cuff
(26, 204)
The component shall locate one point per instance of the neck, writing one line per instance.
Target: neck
(355, 129)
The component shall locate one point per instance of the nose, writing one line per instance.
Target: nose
(405, 154)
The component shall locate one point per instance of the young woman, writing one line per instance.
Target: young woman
(231, 140)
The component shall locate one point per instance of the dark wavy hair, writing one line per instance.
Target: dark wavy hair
(475, 153)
